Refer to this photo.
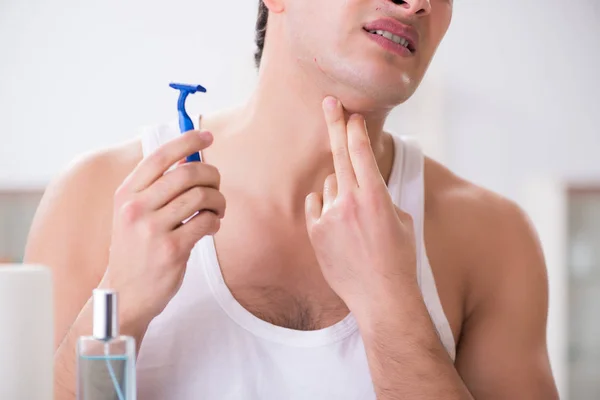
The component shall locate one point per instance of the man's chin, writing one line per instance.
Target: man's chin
(368, 103)
(385, 87)
(382, 95)
(367, 86)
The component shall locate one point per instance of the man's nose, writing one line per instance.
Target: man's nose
(415, 7)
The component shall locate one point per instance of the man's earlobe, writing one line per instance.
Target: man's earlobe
(275, 6)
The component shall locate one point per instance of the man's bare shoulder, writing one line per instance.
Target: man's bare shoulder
(491, 236)
(83, 192)
(99, 173)
(452, 199)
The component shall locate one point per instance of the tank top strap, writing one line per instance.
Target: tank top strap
(413, 202)
(406, 187)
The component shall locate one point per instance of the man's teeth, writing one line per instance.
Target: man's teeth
(396, 39)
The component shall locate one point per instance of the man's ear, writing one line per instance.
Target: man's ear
(275, 6)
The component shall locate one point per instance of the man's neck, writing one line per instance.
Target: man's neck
(280, 137)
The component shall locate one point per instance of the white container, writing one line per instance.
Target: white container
(26, 333)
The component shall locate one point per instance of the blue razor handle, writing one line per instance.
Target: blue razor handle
(185, 122)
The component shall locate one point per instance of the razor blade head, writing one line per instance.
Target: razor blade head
(188, 88)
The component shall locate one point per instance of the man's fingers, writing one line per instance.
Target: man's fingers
(203, 223)
(177, 181)
(361, 153)
(313, 207)
(187, 204)
(338, 137)
(156, 164)
(329, 191)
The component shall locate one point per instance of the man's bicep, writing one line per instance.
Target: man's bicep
(504, 356)
(502, 353)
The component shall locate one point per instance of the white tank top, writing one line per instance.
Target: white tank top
(205, 345)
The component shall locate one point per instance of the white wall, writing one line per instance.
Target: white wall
(523, 91)
(76, 76)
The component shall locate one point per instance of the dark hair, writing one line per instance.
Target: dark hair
(261, 30)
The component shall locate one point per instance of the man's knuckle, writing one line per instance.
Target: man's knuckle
(159, 159)
(198, 195)
(149, 228)
(121, 194)
(131, 211)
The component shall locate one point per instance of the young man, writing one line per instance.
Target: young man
(346, 265)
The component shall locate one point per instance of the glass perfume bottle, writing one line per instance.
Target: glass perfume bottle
(105, 361)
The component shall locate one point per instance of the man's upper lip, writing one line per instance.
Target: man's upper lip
(397, 28)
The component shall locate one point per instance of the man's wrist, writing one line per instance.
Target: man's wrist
(133, 318)
(391, 309)
(383, 293)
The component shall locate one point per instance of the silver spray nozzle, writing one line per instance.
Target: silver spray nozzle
(105, 325)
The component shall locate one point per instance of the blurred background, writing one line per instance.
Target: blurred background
(510, 102)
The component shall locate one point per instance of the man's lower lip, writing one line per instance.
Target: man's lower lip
(389, 45)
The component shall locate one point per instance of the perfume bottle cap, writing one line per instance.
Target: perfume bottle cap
(105, 325)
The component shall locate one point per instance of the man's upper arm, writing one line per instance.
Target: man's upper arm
(71, 230)
(502, 352)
